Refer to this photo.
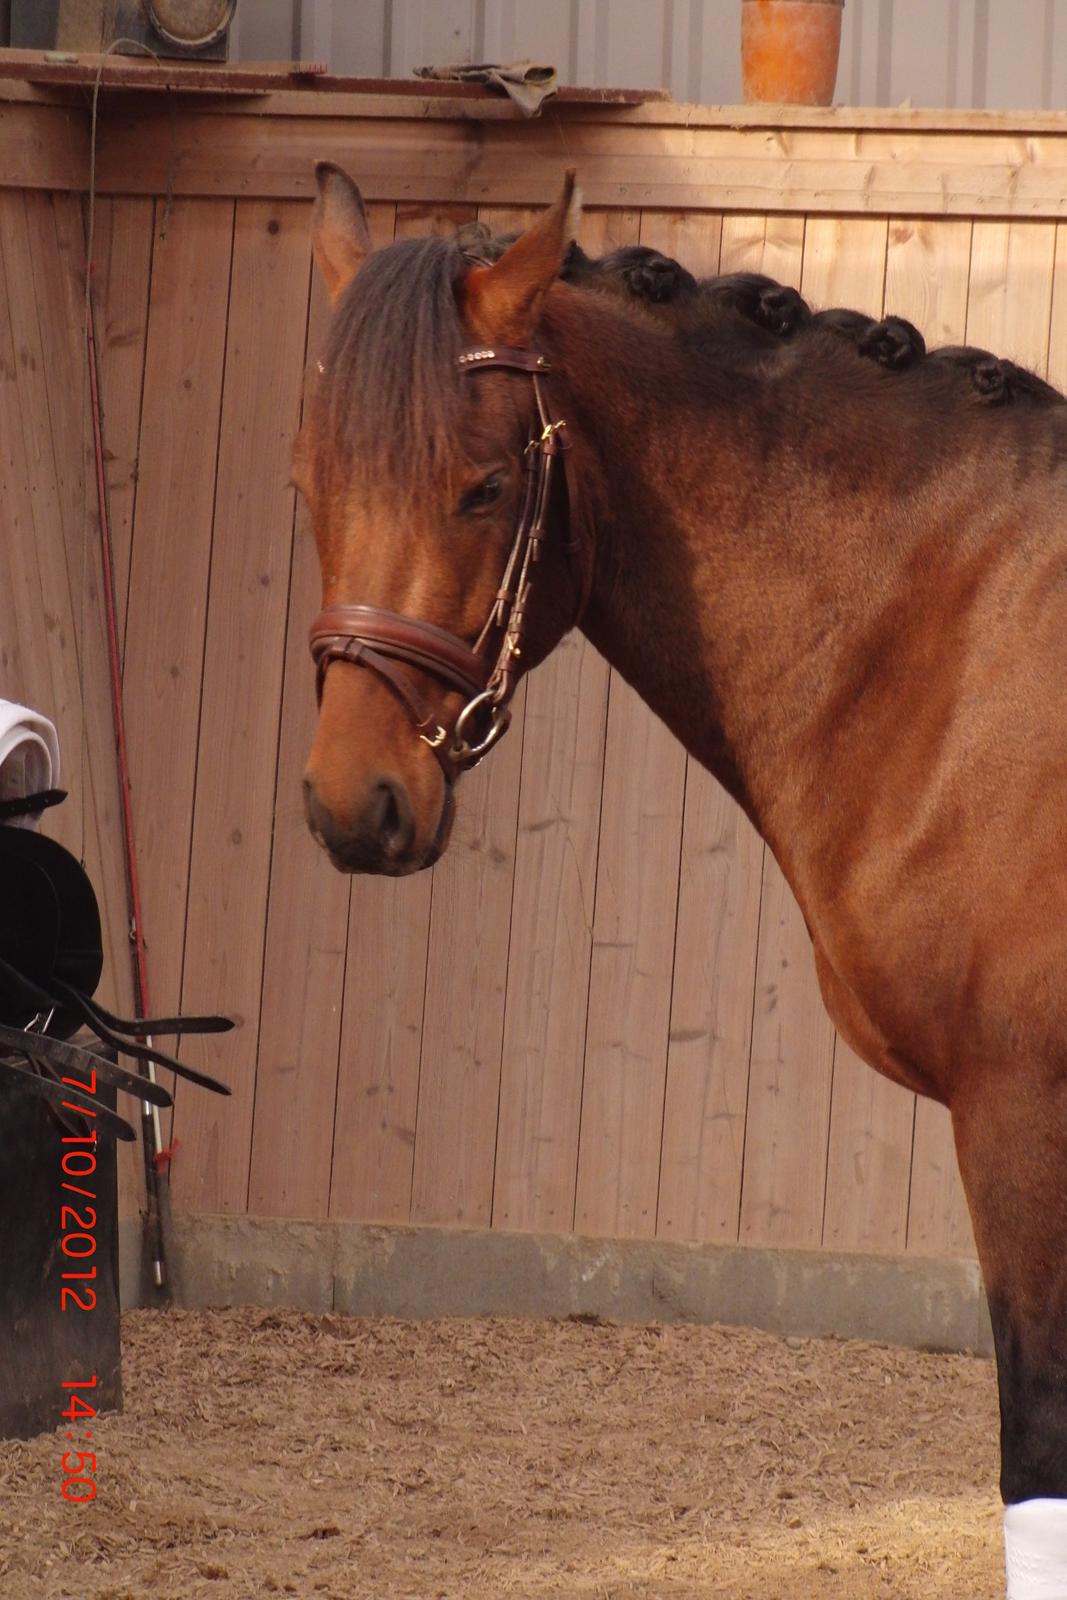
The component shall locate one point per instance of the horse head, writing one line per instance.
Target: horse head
(426, 459)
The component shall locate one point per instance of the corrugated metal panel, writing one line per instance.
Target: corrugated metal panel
(929, 52)
(512, 31)
(422, 34)
(1018, 47)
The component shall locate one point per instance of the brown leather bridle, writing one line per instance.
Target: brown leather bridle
(368, 636)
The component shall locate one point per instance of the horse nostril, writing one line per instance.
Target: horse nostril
(395, 822)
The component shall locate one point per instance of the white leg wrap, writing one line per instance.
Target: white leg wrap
(1035, 1549)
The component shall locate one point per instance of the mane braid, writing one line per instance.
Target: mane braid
(391, 386)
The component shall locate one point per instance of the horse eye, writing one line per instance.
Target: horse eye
(484, 494)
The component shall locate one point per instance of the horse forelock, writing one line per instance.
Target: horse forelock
(389, 395)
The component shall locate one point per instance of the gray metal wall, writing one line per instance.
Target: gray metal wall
(968, 53)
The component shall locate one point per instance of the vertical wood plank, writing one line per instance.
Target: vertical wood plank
(122, 258)
(52, 652)
(506, 219)
(774, 245)
(844, 263)
(631, 970)
(693, 238)
(133, 239)
(927, 267)
(602, 230)
(466, 978)
(57, 390)
(939, 1223)
(30, 653)
(381, 1047)
(868, 1163)
(783, 1191)
(1057, 350)
(169, 568)
(307, 915)
(45, 482)
(304, 953)
(1009, 305)
(237, 754)
(552, 924)
(711, 1017)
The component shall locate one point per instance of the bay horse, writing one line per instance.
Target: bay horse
(844, 589)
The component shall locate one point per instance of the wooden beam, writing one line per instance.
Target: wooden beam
(146, 149)
(262, 77)
(43, 147)
(427, 150)
(270, 91)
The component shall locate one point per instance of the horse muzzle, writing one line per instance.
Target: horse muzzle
(379, 835)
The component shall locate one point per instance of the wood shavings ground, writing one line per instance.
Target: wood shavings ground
(267, 1454)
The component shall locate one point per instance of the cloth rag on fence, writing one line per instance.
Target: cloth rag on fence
(528, 84)
(29, 760)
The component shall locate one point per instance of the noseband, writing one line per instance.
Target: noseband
(368, 636)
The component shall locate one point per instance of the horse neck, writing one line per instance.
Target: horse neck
(730, 576)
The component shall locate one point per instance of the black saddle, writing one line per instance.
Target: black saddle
(51, 961)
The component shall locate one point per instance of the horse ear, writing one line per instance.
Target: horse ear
(340, 233)
(504, 301)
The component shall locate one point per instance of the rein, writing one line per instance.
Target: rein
(369, 636)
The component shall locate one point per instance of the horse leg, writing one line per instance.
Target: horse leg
(1011, 1139)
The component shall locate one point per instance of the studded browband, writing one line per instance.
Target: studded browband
(387, 643)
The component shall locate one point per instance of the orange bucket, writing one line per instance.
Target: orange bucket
(789, 50)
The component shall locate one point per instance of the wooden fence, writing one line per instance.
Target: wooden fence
(598, 1013)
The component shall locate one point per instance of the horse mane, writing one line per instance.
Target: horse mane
(390, 386)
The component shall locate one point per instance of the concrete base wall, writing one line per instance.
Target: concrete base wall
(453, 1272)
